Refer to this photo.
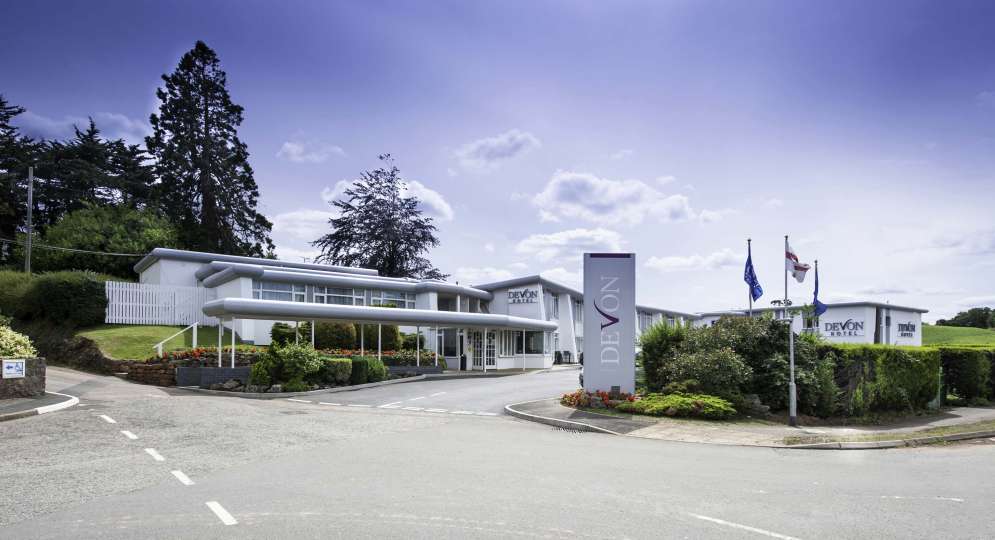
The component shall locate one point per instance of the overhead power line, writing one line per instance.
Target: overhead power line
(73, 250)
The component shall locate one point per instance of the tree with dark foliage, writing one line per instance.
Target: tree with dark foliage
(17, 152)
(982, 317)
(206, 183)
(380, 227)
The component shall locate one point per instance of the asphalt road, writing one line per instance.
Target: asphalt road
(291, 469)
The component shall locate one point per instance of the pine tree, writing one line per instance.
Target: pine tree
(205, 182)
(379, 227)
(16, 153)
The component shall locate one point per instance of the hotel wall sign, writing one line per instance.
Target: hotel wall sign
(906, 329)
(523, 296)
(848, 327)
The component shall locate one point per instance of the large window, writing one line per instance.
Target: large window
(510, 343)
(271, 290)
(344, 297)
(645, 321)
(393, 299)
(579, 312)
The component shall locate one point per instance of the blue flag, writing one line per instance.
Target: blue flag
(820, 308)
(750, 277)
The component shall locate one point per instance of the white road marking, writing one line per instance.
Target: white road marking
(412, 408)
(743, 527)
(129, 434)
(155, 455)
(435, 410)
(324, 403)
(486, 414)
(357, 405)
(184, 479)
(222, 514)
(950, 499)
(389, 405)
(416, 398)
(298, 400)
(436, 394)
(108, 419)
(460, 412)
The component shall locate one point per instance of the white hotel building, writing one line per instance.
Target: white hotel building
(526, 322)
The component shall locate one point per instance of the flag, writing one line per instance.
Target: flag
(820, 308)
(750, 277)
(791, 264)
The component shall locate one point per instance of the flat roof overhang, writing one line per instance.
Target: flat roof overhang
(277, 310)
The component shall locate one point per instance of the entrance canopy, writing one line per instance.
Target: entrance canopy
(246, 308)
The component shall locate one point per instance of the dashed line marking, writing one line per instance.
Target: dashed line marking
(222, 514)
(155, 455)
(742, 527)
(949, 499)
(486, 414)
(388, 405)
(435, 410)
(460, 412)
(298, 400)
(416, 398)
(184, 479)
(325, 403)
(108, 419)
(413, 408)
(129, 434)
(357, 405)
(436, 394)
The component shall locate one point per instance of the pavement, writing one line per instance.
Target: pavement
(11, 409)
(744, 433)
(141, 461)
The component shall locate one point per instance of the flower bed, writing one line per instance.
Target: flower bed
(675, 405)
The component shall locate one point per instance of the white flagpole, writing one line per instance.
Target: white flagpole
(792, 402)
(749, 287)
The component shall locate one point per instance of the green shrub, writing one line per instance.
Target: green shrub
(660, 345)
(259, 374)
(390, 339)
(360, 370)
(295, 385)
(15, 344)
(68, 299)
(291, 362)
(13, 285)
(335, 370)
(718, 372)
(407, 358)
(884, 378)
(967, 372)
(332, 335)
(286, 334)
(376, 371)
(682, 405)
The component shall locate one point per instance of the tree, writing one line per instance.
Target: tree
(110, 229)
(16, 153)
(981, 317)
(379, 227)
(206, 184)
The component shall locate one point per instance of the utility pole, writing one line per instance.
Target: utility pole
(31, 197)
(789, 318)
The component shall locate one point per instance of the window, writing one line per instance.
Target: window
(670, 321)
(579, 312)
(534, 342)
(556, 306)
(545, 342)
(270, 290)
(810, 324)
(344, 297)
(392, 299)
(510, 343)
(645, 321)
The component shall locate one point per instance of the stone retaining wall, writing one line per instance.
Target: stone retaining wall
(31, 385)
(159, 374)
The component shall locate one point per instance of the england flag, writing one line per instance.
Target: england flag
(791, 264)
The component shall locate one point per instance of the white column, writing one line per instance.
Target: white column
(362, 347)
(379, 341)
(417, 346)
(221, 333)
(459, 306)
(297, 333)
(523, 350)
(483, 352)
(313, 324)
(435, 346)
(233, 342)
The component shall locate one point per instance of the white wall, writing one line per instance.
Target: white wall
(837, 324)
(900, 317)
(168, 272)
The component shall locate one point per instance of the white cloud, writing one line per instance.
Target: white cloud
(564, 276)
(569, 244)
(518, 266)
(600, 200)
(883, 290)
(488, 153)
(967, 242)
(489, 247)
(977, 301)
(774, 203)
(481, 275)
(719, 259)
(304, 224)
(664, 180)
(308, 151)
(622, 154)
(287, 253)
(112, 126)
(431, 202)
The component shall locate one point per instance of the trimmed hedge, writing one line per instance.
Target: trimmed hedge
(883, 378)
(367, 369)
(66, 299)
(335, 370)
(331, 335)
(967, 372)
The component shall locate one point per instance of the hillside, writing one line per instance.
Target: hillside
(955, 335)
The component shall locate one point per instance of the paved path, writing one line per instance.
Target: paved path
(143, 462)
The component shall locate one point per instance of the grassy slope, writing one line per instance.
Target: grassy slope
(954, 335)
(136, 342)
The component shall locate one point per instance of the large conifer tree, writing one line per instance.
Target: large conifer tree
(205, 182)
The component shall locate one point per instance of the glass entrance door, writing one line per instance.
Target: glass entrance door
(476, 350)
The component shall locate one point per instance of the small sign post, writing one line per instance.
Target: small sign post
(609, 322)
(13, 369)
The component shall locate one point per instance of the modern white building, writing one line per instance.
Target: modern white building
(846, 322)
(526, 322)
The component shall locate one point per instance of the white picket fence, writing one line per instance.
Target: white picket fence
(141, 303)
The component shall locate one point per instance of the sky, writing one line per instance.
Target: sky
(533, 131)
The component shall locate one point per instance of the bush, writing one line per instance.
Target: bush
(884, 378)
(295, 385)
(15, 344)
(12, 288)
(259, 374)
(390, 340)
(967, 372)
(376, 371)
(407, 358)
(335, 370)
(718, 372)
(332, 335)
(681, 405)
(68, 299)
(660, 345)
(360, 370)
(291, 363)
(283, 334)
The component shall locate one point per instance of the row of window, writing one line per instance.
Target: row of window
(512, 343)
(293, 292)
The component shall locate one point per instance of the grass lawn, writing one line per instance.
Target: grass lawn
(955, 335)
(136, 342)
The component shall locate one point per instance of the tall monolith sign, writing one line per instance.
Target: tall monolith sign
(610, 322)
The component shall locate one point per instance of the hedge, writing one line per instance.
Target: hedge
(67, 299)
(883, 378)
(335, 370)
(967, 372)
